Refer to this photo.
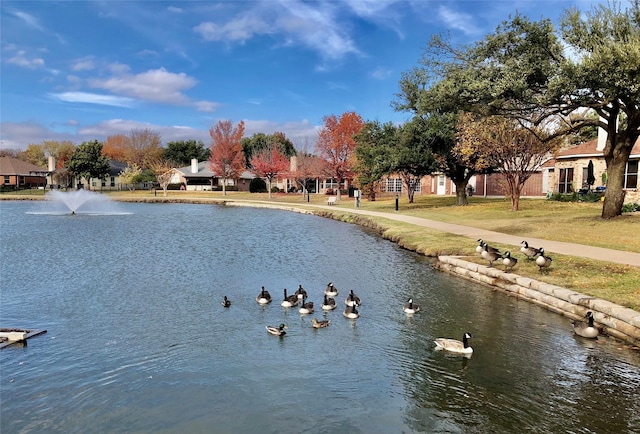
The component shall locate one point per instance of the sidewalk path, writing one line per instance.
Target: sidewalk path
(580, 250)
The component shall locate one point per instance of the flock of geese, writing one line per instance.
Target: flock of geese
(586, 329)
(492, 254)
(351, 302)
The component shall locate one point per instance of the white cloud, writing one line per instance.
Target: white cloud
(93, 98)
(21, 60)
(380, 73)
(457, 20)
(157, 85)
(314, 26)
(29, 19)
(85, 64)
(175, 10)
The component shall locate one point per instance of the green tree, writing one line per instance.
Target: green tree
(181, 152)
(373, 155)
(412, 156)
(521, 71)
(88, 162)
(261, 141)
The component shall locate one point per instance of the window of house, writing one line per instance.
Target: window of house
(7, 179)
(631, 174)
(565, 180)
(113, 181)
(21, 180)
(103, 183)
(394, 185)
(585, 177)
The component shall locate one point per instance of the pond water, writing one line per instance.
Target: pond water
(137, 340)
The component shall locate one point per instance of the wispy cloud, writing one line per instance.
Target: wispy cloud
(84, 64)
(457, 20)
(21, 59)
(380, 73)
(93, 98)
(30, 20)
(314, 26)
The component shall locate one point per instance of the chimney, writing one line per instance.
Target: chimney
(602, 136)
(194, 165)
(51, 166)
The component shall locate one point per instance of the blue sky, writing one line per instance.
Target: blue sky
(84, 70)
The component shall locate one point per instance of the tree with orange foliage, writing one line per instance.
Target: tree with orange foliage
(336, 144)
(269, 163)
(115, 147)
(227, 159)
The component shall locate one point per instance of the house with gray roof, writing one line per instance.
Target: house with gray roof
(199, 177)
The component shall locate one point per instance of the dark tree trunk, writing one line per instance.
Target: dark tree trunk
(461, 192)
(616, 156)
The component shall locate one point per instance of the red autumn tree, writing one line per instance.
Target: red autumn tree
(227, 159)
(269, 163)
(336, 144)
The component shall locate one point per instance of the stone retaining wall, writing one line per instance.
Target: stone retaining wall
(612, 319)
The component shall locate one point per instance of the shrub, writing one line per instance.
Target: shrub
(631, 207)
(175, 186)
(257, 185)
(329, 191)
(275, 189)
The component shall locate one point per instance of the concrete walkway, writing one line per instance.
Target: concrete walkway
(580, 250)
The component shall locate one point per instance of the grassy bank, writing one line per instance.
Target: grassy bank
(562, 221)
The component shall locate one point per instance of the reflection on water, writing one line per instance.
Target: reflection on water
(138, 342)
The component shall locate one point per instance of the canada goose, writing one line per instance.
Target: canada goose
(351, 312)
(300, 292)
(484, 244)
(411, 307)
(352, 299)
(225, 302)
(289, 301)
(277, 331)
(264, 297)
(307, 307)
(509, 261)
(331, 290)
(586, 329)
(491, 256)
(454, 345)
(543, 261)
(320, 324)
(328, 303)
(528, 251)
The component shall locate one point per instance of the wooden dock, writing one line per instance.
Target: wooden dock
(5, 342)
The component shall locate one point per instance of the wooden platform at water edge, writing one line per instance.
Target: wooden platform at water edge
(10, 336)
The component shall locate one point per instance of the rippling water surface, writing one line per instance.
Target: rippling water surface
(138, 342)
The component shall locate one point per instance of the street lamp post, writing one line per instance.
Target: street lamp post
(396, 201)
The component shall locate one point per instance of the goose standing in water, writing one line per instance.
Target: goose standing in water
(289, 300)
(277, 331)
(454, 345)
(264, 297)
(351, 312)
(586, 329)
(543, 261)
(225, 302)
(331, 290)
(300, 292)
(320, 324)
(352, 299)
(307, 307)
(411, 307)
(328, 303)
(509, 261)
(529, 251)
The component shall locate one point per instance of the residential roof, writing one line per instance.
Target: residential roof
(204, 171)
(588, 149)
(13, 166)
